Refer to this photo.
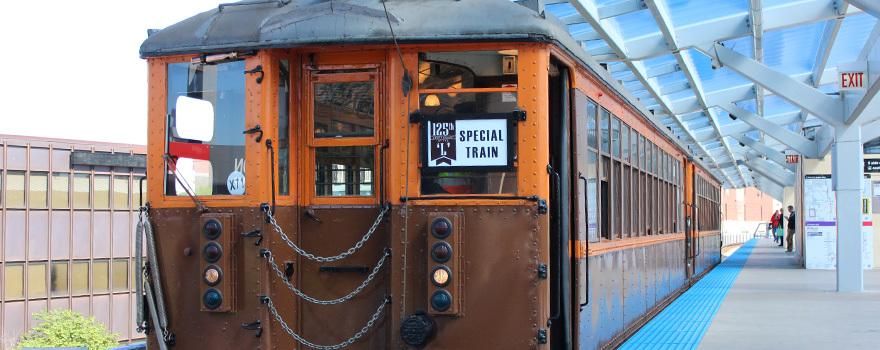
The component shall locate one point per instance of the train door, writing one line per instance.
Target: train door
(560, 207)
(340, 216)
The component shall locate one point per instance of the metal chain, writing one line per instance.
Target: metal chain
(325, 347)
(334, 301)
(321, 258)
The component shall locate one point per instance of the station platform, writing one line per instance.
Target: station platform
(760, 298)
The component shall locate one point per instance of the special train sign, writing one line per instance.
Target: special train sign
(467, 142)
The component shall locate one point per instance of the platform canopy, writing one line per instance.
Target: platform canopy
(657, 50)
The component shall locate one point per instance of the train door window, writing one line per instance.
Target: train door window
(283, 127)
(206, 117)
(342, 132)
(468, 82)
(605, 125)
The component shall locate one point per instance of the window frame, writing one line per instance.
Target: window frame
(312, 143)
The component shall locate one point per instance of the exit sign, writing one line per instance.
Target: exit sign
(852, 80)
(852, 75)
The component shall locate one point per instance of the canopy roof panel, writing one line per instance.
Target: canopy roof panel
(656, 49)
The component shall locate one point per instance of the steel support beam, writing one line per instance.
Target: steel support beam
(869, 44)
(872, 7)
(774, 171)
(870, 131)
(769, 187)
(829, 34)
(826, 108)
(765, 151)
(847, 176)
(589, 10)
(868, 108)
(733, 26)
(781, 134)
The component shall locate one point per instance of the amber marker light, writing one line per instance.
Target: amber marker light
(212, 275)
(441, 276)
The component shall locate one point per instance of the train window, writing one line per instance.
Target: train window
(634, 146)
(344, 109)
(343, 129)
(642, 153)
(615, 138)
(440, 75)
(344, 171)
(207, 158)
(649, 153)
(591, 124)
(605, 123)
(284, 127)
(624, 143)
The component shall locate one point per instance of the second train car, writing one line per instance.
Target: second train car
(407, 174)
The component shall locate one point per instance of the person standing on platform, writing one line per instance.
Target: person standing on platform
(790, 236)
(775, 225)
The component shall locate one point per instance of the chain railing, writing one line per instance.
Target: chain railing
(310, 256)
(357, 290)
(348, 342)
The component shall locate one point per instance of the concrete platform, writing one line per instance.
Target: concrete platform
(775, 304)
(759, 298)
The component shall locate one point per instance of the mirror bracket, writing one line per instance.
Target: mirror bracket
(253, 130)
(257, 69)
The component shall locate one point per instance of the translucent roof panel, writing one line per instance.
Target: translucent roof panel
(792, 50)
(635, 24)
(852, 35)
(686, 12)
(715, 79)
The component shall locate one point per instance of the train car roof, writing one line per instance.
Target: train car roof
(253, 25)
(298, 23)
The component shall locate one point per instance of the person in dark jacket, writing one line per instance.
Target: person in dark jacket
(790, 236)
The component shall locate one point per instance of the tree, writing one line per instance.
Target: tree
(66, 328)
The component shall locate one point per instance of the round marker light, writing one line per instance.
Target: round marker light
(441, 228)
(441, 252)
(212, 229)
(212, 298)
(212, 275)
(441, 300)
(440, 276)
(212, 252)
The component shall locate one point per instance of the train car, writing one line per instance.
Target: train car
(404, 175)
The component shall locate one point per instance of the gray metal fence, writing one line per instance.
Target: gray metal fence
(730, 238)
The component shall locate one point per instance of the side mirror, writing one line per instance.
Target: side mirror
(194, 119)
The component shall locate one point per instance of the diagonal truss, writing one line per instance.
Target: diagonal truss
(661, 15)
(589, 10)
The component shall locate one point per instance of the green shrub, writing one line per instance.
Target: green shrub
(66, 328)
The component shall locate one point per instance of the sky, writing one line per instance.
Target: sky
(71, 69)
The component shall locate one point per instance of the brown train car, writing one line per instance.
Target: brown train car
(471, 180)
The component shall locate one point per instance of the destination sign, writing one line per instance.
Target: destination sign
(467, 142)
